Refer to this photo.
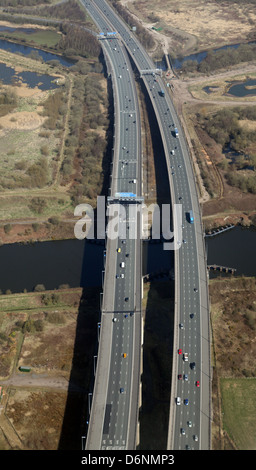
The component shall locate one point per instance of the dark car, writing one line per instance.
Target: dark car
(193, 365)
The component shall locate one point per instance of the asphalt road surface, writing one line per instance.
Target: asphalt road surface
(191, 289)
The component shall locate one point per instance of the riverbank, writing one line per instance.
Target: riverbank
(36, 230)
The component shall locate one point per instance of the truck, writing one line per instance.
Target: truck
(185, 357)
(190, 217)
(176, 132)
(161, 93)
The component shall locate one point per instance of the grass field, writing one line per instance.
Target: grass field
(238, 408)
(40, 37)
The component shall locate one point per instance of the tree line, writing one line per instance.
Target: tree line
(22, 3)
(84, 147)
(225, 128)
(221, 59)
(143, 35)
(78, 41)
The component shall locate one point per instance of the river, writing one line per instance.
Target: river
(80, 263)
(199, 56)
(26, 50)
(235, 249)
(52, 263)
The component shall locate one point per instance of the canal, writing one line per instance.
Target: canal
(235, 249)
(80, 263)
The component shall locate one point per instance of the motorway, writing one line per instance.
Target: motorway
(114, 411)
(193, 415)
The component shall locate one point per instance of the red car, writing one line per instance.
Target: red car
(179, 377)
(197, 383)
(179, 351)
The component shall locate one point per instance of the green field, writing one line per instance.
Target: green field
(40, 37)
(239, 411)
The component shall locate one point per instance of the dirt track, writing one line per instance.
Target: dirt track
(36, 380)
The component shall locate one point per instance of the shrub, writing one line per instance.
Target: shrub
(7, 228)
(45, 150)
(37, 204)
(54, 220)
(35, 226)
(55, 317)
(39, 288)
(38, 173)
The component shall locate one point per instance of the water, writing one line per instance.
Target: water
(80, 263)
(43, 82)
(23, 30)
(235, 249)
(74, 262)
(199, 56)
(240, 89)
(33, 79)
(26, 50)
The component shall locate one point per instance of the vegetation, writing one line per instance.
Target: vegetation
(78, 41)
(238, 406)
(224, 126)
(38, 174)
(85, 145)
(143, 35)
(221, 59)
(44, 37)
(246, 2)
(53, 109)
(8, 101)
(70, 146)
(37, 205)
(15, 3)
(70, 9)
(233, 320)
(233, 314)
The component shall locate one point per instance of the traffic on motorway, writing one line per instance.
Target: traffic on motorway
(190, 404)
(116, 423)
